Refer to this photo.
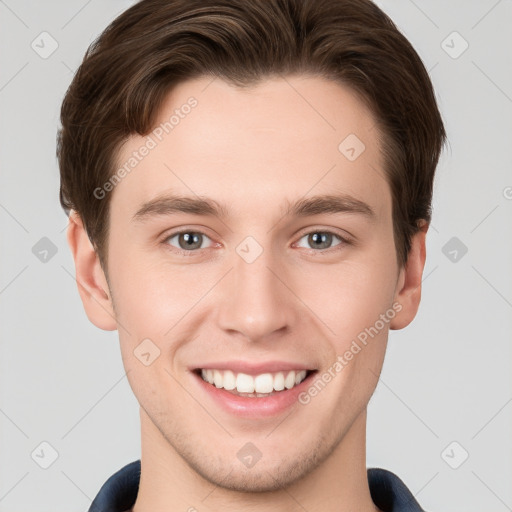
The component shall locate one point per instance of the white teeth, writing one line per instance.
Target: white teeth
(264, 383)
(217, 378)
(279, 381)
(244, 383)
(260, 385)
(229, 380)
(207, 375)
(289, 381)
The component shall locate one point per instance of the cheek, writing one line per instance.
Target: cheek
(352, 297)
(357, 306)
(357, 311)
(155, 302)
(151, 298)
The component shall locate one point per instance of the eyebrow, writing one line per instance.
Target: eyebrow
(316, 205)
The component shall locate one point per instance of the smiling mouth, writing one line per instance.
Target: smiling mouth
(253, 386)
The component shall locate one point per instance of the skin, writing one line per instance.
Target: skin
(252, 150)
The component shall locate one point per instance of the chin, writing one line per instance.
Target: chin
(265, 476)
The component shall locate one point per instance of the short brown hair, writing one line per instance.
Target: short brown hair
(130, 68)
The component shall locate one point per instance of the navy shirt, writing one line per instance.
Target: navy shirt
(119, 492)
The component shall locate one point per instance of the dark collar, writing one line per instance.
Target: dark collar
(119, 492)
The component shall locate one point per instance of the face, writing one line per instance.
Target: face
(277, 265)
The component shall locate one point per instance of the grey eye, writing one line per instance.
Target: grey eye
(188, 240)
(320, 239)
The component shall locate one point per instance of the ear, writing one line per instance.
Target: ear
(92, 283)
(408, 290)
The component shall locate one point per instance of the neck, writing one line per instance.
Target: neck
(338, 484)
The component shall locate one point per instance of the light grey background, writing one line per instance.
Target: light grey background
(446, 378)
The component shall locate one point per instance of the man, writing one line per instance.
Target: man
(249, 186)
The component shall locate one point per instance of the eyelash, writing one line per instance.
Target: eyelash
(344, 241)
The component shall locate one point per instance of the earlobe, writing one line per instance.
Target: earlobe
(90, 278)
(408, 290)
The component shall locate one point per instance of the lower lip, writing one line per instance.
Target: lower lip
(255, 407)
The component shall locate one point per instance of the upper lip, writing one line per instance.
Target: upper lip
(253, 368)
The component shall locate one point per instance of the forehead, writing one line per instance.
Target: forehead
(262, 145)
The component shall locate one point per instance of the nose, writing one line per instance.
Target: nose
(256, 302)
